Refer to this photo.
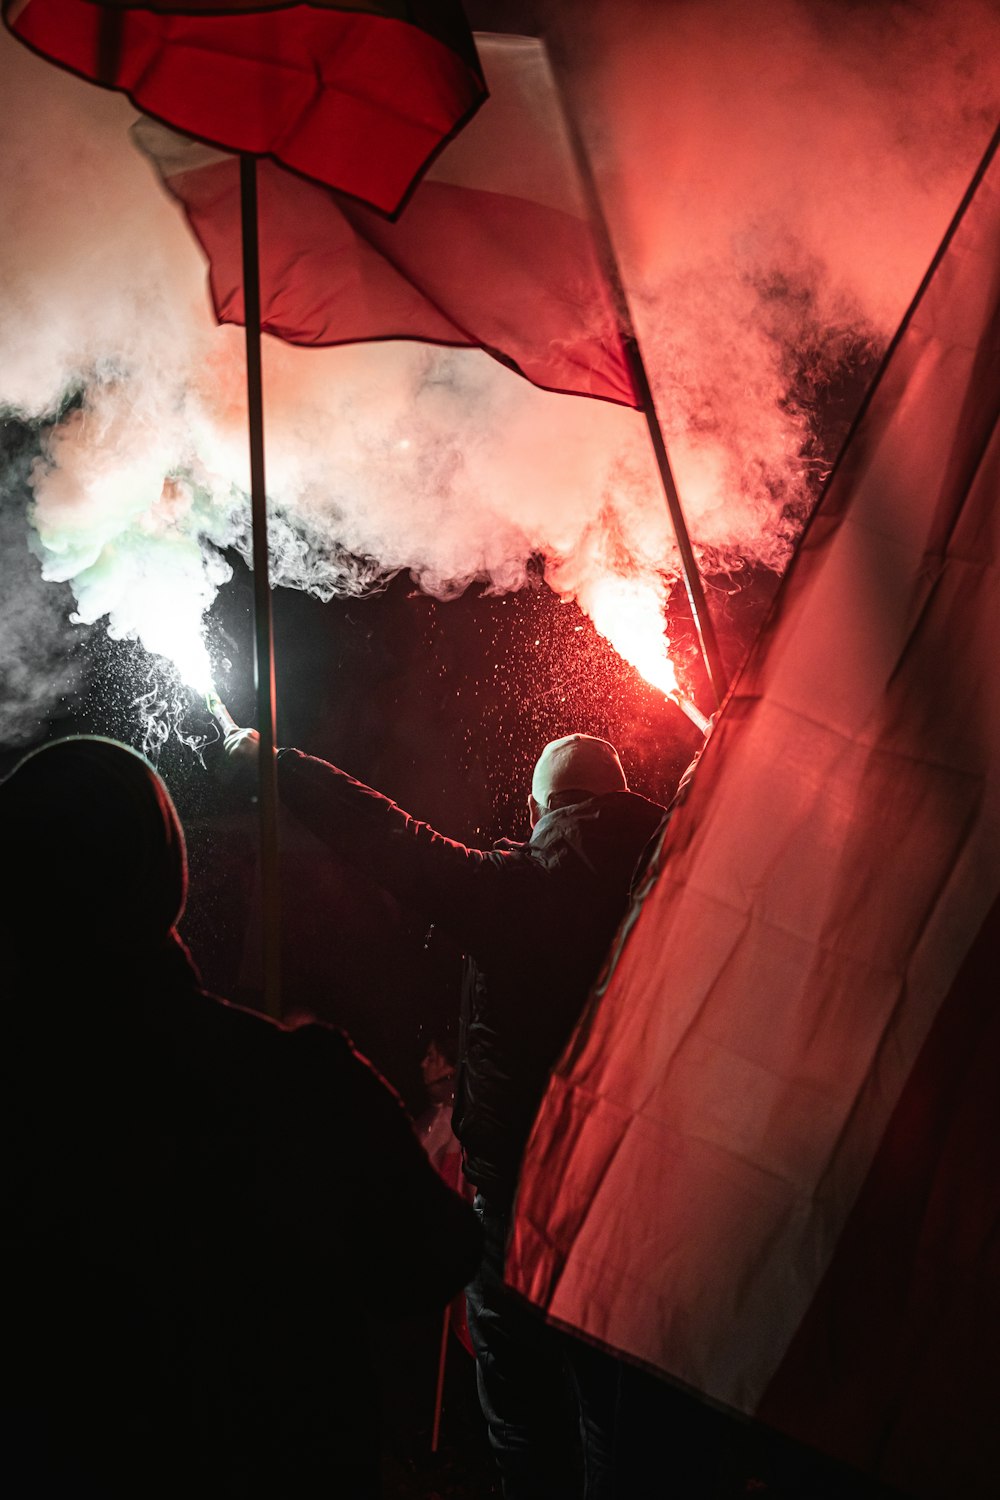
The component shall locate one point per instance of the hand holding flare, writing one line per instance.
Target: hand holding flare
(218, 709)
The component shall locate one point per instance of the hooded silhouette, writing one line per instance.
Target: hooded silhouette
(201, 1203)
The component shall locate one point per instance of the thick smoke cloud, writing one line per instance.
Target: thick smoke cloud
(782, 174)
(777, 177)
(38, 663)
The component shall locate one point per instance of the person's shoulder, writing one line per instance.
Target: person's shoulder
(317, 1043)
(628, 825)
(298, 1048)
(633, 808)
(641, 822)
(250, 1036)
(318, 1050)
(234, 1019)
(602, 834)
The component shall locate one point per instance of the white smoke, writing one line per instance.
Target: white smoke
(38, 665)
(777, 177)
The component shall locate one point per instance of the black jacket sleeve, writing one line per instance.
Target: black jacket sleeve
(477, 896)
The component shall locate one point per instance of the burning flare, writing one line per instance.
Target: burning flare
(179, 638)
(628, 612)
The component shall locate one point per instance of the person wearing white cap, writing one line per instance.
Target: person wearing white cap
(536, 920)
(577, 764)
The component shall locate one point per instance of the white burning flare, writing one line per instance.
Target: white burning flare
(138, 561)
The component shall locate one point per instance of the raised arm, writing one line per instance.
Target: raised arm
(474, 895)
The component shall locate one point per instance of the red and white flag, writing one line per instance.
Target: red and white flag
(494, 249)
(768, 1165)
(358, 96)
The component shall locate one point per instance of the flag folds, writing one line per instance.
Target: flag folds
(494, 249)
(767, 1165)
(359, 96)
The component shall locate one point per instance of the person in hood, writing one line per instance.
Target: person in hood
(200, 1204)
(536, 920)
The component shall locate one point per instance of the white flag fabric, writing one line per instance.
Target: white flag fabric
(767, 1165)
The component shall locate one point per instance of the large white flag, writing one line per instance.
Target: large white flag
(769, 1164)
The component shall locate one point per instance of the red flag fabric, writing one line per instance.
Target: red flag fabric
(358, 96)
(768, 1165)
(493, 250)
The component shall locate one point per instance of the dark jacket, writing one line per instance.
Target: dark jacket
(201, 1207)
(202, 1211)
(536, 919)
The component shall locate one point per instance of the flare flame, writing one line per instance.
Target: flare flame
(628, 612)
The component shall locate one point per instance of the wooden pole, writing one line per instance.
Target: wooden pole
(267, 787)
(704, 627)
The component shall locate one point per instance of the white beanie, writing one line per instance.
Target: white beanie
(577, 762)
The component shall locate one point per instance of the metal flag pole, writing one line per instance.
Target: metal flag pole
(267, 790)
(704, 627)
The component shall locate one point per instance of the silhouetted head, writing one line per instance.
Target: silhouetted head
(438, 1062)
(93, 849)
(571, 769)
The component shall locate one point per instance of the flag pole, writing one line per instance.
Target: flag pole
(703, 625)
(439, 1389)
(267, 788)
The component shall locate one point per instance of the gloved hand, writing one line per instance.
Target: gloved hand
(240, 746)
(238, 763)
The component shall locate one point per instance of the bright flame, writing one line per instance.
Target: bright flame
(155, 590)
(628, 612)
(185, 647)
(145, 568)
